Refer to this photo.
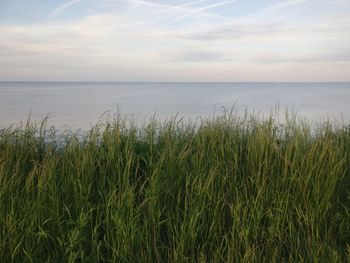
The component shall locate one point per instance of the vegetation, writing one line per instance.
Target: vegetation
(227, 189)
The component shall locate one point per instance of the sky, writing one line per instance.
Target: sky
(175, 40)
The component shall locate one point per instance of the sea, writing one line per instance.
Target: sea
(80, 105)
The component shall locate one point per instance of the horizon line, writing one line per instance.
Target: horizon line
(118, 81)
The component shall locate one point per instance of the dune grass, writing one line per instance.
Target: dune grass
(228, 189)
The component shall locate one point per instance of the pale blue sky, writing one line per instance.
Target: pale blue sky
(175, 40)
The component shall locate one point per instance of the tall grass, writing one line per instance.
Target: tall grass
(228, 189)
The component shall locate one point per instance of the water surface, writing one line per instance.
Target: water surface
(80, 105)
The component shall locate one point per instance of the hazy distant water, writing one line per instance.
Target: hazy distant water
(79, 105)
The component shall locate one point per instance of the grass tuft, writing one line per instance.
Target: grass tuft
(227, 189)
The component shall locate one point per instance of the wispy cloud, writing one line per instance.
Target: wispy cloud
(216, 5)
(60, 9)
(195, 3)
(236, 31)
(187, 8)
(194, 11)
(278, 7)
(111, 45)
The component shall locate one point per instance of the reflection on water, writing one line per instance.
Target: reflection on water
(79, 105)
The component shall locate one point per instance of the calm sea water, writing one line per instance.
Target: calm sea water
(80, 105)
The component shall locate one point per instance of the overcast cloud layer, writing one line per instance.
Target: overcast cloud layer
(164, 40)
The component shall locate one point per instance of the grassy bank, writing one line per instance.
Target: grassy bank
(228, 190)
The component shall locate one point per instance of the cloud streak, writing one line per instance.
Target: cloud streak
(270, 10)
(141, 46)
(184, 8)
(282, 5)
(60, 9)
(198, 10)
